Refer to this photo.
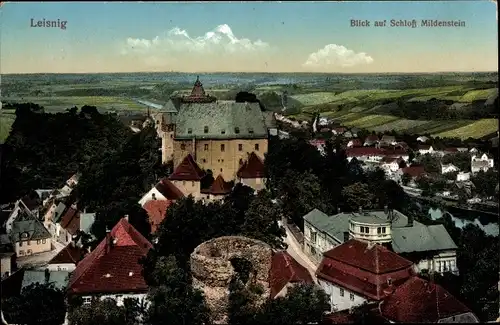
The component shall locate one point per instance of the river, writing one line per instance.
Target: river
(490, 228)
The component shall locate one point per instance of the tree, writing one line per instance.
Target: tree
(303, 304)
(485, 182)
(406, 179)
(172, 299)
(107, 312)
(40, 304)
(302, 195)
(460, 159)
(261, 221)
(431, 163)
(356, 196)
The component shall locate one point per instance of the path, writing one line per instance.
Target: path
(295, 250)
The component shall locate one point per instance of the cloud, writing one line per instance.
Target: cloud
(178, 44)
(334, 55)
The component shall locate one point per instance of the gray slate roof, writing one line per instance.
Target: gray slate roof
(220, 116)
(33, 229)
(58, 278)
(86, 221)
(418, 238)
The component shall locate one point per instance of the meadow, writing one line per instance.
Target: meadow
(364, 101)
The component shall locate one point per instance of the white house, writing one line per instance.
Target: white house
(448, 168)
(359, 271)
(481, 163)
(390, 165)
(422, 139)
(425, 149)
(462, 177)
(429, 247)
(163, 190)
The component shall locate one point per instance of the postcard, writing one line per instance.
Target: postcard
(249, 162)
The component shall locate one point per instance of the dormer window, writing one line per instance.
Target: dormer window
(250, 130)
(190, 131)
(237, 130)
(222, 131)
(205, 129)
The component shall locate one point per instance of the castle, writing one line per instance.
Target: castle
(226, 139)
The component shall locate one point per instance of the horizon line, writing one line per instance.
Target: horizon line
(241, 72)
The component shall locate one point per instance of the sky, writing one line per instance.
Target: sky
(247, 37)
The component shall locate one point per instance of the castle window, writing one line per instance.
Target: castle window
(256, 147)
(364, 230)
(223, 132)
(205, 147)
(222, 148)
(183, 146)
(204, 160)
(381, 230)
(237, 130)
(250, 130)
(205, 129)
(240, 147)
(190, 131)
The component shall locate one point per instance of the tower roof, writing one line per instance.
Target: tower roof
(187, 170)
(198, 90)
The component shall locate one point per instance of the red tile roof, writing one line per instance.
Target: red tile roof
(71, 220)
(414, 171)
(317, 142)
(395, 152)
(168, 189)
(419, 301)
(356, 143)
(113, 267)
(156, 210)
(68, 255)
(252, 168)
(285, 269)
(364, 151)
(187, 170)
(376, 259)
(363, 269)
(450, 150)
(423, 147)
(219, 187)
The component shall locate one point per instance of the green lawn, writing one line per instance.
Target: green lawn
(475, 129)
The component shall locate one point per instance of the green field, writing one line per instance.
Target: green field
(104, 103)
(7, 117)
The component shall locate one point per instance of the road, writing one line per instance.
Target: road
(295, 251)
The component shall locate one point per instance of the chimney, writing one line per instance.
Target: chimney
(126, 217)
(386, 209)
(410, 221)
(346, 236)
(360, 209)
(109, 240)
(338, 210)
(47, 276)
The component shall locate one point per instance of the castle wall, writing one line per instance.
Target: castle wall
(209, 154)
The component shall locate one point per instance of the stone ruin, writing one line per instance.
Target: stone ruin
(212, 270)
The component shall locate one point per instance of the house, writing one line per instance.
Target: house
(53, 215)
(354, 143)
(163, 190)
(371, 140)
(348, 135)
(369, 154)
(473, 150)
(339, 130)
(66, 260)
(319, 144)
(397, 153)
(156, 210)
(420, 301)
(449, 151)
(429, 247)
(391, 165)
(112, 269)
(22, 206)
(252, 172)
(356, 272)
(448, 168)
(286, 272)
(481, 163)
(462, 176)
(218, 189)
(8, 263)
(388, 140)
(425, 149)
(187, 177)
(413, 171)
(57, 278)
(422, 139)
(68, 227)
(29, 236)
